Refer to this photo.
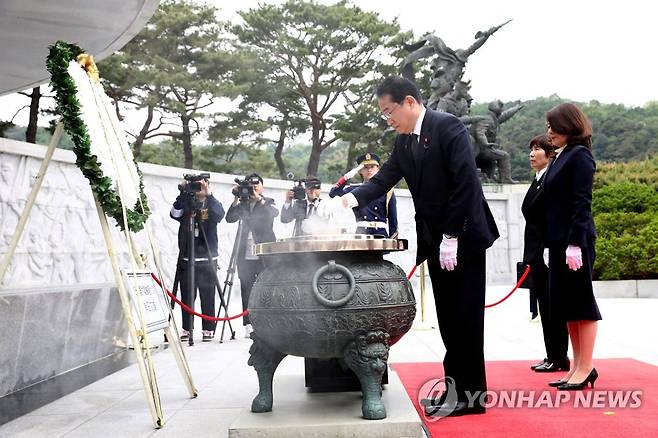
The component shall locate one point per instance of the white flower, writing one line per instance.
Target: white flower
(107, 138)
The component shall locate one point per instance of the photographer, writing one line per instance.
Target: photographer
(196, 199)
(257, 214)
(304, 208)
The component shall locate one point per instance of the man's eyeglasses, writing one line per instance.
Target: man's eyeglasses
(388, 114)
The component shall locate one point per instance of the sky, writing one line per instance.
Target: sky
(579, 50)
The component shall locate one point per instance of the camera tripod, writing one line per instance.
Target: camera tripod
(230, 270)
(300, 207)
(190, 209)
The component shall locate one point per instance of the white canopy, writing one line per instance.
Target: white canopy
(28, 27)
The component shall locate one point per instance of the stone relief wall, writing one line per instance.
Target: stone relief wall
(63, 244)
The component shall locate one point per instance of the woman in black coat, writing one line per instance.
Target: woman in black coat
(570, 237)
(556, 337)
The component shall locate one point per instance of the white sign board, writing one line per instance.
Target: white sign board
(155, 305)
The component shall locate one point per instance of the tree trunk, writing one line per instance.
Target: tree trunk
(279, 150)
(350, 156)
(187, 142)
(31, 133)
(316, 150)
(139, 140)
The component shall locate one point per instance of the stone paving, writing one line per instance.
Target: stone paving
(115, 406)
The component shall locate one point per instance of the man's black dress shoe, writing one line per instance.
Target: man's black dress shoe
(553, 366)
(532, 367)
(456, 410)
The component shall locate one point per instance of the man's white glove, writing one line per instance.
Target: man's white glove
(448, 253)
(546, 257)
(329, 208)
(353, 172)
(574, 257)
(349, 201)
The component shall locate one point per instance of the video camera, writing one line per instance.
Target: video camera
(193, 183)
(245, 188)
(298, 190)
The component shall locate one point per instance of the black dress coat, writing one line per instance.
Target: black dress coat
(568, 188)
(534, 213)
(444, 185)
(556, 336)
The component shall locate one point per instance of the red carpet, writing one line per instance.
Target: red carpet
(532, 418)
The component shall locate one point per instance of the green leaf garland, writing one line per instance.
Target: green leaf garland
(61, 54)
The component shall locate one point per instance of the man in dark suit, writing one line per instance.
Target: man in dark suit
(556, 336)
(257, 227)
(454, 227)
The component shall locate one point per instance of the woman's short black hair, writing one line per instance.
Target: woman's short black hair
(398, 88)
(544, 143)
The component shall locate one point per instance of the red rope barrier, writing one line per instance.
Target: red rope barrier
(188, 309)
(412, 272)
(518, 284)
(246, 312)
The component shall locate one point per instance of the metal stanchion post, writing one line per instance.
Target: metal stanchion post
(424, 324)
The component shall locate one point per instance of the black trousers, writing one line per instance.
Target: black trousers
(533, 303)
(204, 277)
(248, 270)
(556, 335)
(459, 297)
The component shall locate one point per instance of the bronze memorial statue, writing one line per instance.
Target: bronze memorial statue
(449, 93)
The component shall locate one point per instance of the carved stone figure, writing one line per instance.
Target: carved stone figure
(489, 156)
(458, 101)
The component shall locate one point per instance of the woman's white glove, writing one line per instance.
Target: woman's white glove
(448, 253)
(546, 257)
(574, 257)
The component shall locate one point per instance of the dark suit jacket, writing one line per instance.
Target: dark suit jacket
(288, 213)
(534, 212)
(260, 221)
(208, 218)
(568, 187)
(444, 184)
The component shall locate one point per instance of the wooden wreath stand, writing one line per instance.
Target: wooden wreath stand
(138, 331)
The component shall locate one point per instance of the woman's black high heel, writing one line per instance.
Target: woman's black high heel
(591, 378)
(556, 383)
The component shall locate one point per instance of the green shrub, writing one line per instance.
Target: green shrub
(641, 172)
(625, 208)
(626, 252)
(624, 197)
(616, 223)
(647, 261)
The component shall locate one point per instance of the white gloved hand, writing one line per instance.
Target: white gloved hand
(349, 201)
(329, 208)
(448, 253)
(353, 172)
(574, 257)
(546, 257)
